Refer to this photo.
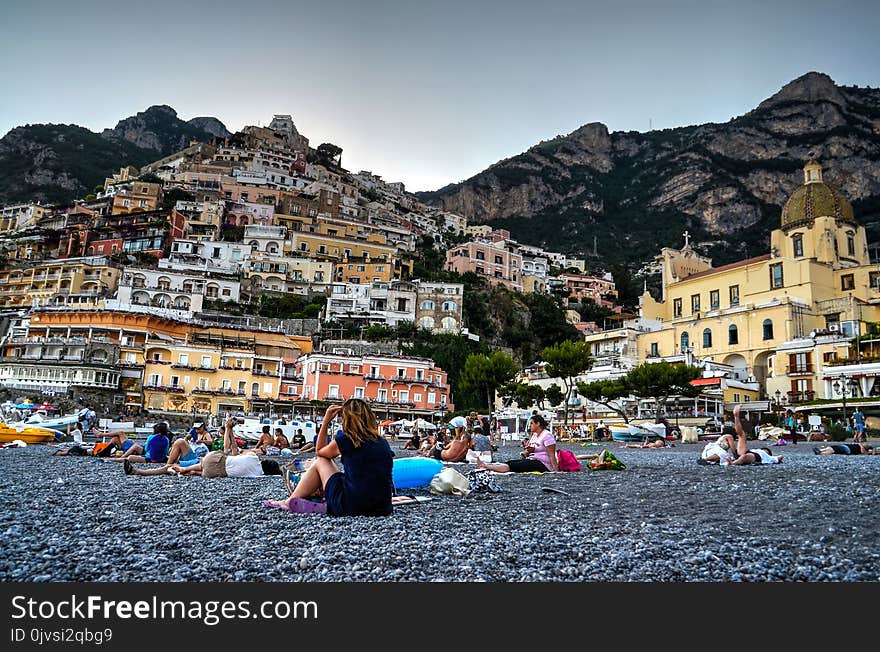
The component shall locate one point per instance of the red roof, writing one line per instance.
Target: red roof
(724, 268)
(705, 381)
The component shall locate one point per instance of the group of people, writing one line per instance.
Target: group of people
(465, 442)
(727, 450)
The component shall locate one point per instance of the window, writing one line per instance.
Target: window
(175, 381)
(427, 304)
(654, 350)
(707, 338)
(676, 307)
(183, 359)
(383, 396)
(850, 243)
(776, 280)
(417, 398)
(797, 241)
(449, 306)
(481, 255)
(255, 389)
(874, 279)
(242, 386)
(432, 398)
(736, 397)
(734, 295)
(847, 282)
(768, 329)
(404, 395)
(714, 299)
(206, 361)
(358, 392)
(732, 335)
(695, 303)
(155, 380)
(401, 373)
(685, 341)
(203, 383)
(498, 260)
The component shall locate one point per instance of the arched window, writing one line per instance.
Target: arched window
(850, 243)
(768, 329)
(426, 322)
(685, 341)
(427, 304)
(450, 305)
(707, 338)
(732, 335)
(448, 323)
(797, 241)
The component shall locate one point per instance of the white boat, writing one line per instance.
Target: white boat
(251, 429)
(637, 432)
(53, 423)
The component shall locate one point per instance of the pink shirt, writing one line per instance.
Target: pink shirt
(541, 441)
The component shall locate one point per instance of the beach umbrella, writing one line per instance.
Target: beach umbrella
(458, 422)
(386, 423)
(424, 425)
(403, 422)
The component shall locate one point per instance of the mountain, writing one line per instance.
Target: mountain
(636, 192)
(57, 163)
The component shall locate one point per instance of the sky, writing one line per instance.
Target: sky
(427, 93)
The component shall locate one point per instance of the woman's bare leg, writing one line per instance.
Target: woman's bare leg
(498, 467)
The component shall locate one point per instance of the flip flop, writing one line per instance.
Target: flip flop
(274, 504)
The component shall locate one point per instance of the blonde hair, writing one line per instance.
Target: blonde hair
(359, 422)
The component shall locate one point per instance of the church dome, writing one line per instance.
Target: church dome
(815, 199)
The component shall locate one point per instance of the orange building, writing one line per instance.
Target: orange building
(393, 385)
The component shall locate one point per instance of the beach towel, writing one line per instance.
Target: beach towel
(409, 500)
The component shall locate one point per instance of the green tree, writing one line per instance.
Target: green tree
(660, 380)
(485, 374)
(524, 395)
(607, 393)
(565, 361)
(553, 395)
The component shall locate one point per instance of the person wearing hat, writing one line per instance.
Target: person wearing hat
(200, 435)
(231, 462)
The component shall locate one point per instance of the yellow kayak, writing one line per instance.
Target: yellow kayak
(28, 434)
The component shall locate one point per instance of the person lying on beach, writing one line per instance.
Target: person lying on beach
(539, 452)
(754, 456)
(657, 443)
(231, 462)
(365, 487)
(845, 449)
(720, 451)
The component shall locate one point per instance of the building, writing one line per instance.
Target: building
(597, 289)
(164, 288)
(394, 386)
(817, 277)
(386, 303)
(439, 306)
(56, 282)
(492, 260)
(136, 196)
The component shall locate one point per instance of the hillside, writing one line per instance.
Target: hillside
(635, 192)
(56, 162)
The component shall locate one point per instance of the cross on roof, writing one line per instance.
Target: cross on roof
(687, 236)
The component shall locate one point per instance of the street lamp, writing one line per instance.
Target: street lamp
(677, 400)
(845, 387)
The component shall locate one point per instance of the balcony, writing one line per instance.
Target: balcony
(378, 377)
(154, 361)
(264, 372)
(801, 397)
(187, 367)
(163, 388)
(805, 369)
(333, 397)
(292, 379)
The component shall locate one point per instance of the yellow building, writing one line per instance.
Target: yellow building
(137, 196)
(816, 278)
(149, 361)
(27, 284)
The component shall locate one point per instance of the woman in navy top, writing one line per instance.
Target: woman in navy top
(365, 487)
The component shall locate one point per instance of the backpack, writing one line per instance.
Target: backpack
(567, 461)
(103, 449)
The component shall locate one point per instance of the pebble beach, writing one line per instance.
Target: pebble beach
(663, 519)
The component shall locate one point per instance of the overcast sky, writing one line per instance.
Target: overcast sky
(427, 93)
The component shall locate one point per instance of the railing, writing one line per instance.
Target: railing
(837, 362)
(333, 397)
(801, 397)
(374, 377)
(188, 367)
(796, 369)
(263, 372)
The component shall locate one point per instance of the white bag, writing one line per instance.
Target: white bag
(472, 456)
(449, 481)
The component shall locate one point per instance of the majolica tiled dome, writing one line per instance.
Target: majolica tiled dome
(815, 199)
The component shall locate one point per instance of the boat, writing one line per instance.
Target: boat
(9, 432)
(251, 429)
(53, 423)
(636, 432)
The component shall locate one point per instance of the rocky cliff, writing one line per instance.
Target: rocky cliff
(56, 162)
(634, 192)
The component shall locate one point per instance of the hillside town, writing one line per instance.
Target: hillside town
(251, 274)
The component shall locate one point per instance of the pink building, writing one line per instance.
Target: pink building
(591, 287)
(392, 385)
(489, 259)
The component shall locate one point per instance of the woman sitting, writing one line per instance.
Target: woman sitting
(539, 452)
(365, 487)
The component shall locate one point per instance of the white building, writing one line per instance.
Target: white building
(164, 288)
